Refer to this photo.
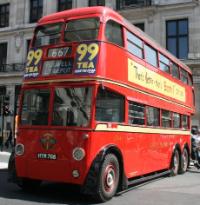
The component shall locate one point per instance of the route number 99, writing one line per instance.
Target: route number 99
(34, 57)
(83, 50)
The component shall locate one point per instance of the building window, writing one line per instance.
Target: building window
(3, 55)
(140, 26)
(177, 37)
(36, 9)
(64, 5)
(128, 3)
(96, 2)
(4, 15)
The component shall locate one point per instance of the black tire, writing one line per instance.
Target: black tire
(184, 161)
(175, 162)
(28, 185)
(108, 178)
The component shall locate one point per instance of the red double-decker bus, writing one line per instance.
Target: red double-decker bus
(101, 105)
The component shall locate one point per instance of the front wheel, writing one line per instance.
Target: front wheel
(184, 162)
(175, 163)
(108, 178)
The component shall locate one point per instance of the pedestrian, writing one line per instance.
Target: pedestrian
(9, 140)
(1, 143)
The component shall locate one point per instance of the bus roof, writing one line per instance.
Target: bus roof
(107, 12)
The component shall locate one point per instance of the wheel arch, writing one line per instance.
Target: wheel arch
(177, 147)
(113, 149)
(91, 179)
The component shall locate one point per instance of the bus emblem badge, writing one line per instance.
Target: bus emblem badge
(48, 141)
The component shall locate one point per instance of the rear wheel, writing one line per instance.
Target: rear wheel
(184, 161)
(108, 178)
(175, 163)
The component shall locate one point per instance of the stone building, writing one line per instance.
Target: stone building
(173, 23)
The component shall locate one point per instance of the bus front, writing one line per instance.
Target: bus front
(55, 115)
(66, 104)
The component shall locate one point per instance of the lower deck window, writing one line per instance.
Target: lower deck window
(140, 114)
(72, 106)
(136, 113)
(109, 106)
(35, 107)
(166, 118)
(153, 116)
(185, 122)
(176, 120)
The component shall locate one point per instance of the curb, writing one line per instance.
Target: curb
(4, 158)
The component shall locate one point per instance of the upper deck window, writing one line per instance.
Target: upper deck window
(82, 29)
(47, 34)
(150, 55)
(114, 33)
(135, 45)
(184, 76)
(164, 63)
(175, 71)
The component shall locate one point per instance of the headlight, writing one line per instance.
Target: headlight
(19, 149)
(78, 153)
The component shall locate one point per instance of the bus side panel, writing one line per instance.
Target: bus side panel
(143, 153)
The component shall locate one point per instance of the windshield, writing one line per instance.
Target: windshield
(82, 29)
(47, 34)
(35, 107)
(72, 106)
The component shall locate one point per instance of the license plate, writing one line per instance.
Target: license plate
(46, 156)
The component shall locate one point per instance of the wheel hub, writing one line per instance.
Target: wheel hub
(109, 178)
